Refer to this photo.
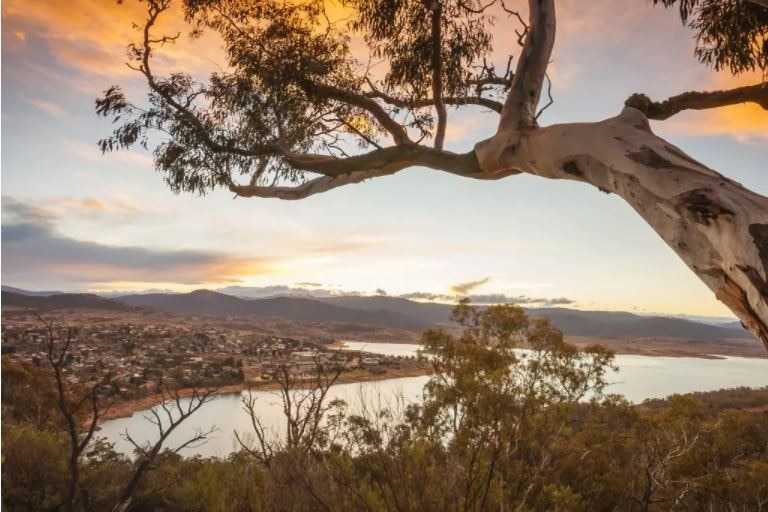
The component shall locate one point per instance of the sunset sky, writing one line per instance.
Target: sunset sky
(76, 220)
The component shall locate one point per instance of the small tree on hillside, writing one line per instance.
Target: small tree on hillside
(82, 409)
(310, 415)
(295, 113)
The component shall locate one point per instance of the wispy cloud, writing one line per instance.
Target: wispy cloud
(491, 298)
(317, 290)
(89, 206)
(301, 290)
(48, 107)
(465, 288)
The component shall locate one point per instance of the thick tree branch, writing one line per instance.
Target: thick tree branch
(694, 100)
(392, 158)
(523, 99)
(310, 188)
(338, 172)
(437, 73)
(716, 226)
(474, 100)
(491, 80)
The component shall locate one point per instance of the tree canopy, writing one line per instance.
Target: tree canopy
(729, 35)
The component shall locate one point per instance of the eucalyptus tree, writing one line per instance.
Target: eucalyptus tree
(298, 111)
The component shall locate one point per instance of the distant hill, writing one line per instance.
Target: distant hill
(13, 289)
(62, 301)
(571, 321)
(381, 311)
(733, 325)
(610, 324)
(425, 314)
(206, 302)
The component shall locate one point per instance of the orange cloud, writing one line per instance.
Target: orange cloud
(215, 272)
(92, 37)
(744, 122)
(748, 119)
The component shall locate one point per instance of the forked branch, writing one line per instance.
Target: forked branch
(57, 353)
(175, 411)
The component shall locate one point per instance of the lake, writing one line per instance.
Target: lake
(638, 378)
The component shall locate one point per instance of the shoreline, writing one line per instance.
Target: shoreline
(633, 347)
(128, 408)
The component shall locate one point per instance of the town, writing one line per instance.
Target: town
(130, 360)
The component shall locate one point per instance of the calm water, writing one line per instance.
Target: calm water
(386, 349)
(639, 378)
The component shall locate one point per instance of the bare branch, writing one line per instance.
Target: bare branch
(77, 497)
(267, 443)
(478, 10)
(177, 413)
(491, 80)
(199, 439)
(694, 100)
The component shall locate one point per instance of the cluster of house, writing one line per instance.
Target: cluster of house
(131, 360)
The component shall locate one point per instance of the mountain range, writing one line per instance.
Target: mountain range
(380, 311)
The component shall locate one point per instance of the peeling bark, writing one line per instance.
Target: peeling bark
(716, 226)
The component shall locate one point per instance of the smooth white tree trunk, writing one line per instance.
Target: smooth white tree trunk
(718, 227)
